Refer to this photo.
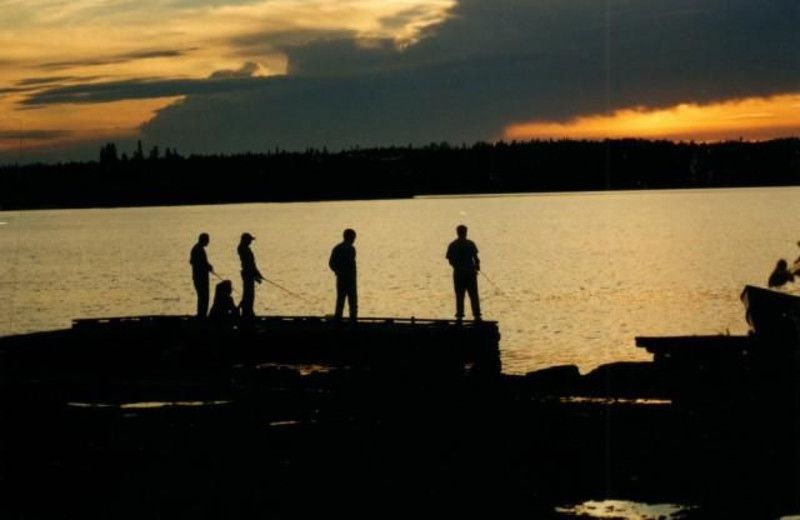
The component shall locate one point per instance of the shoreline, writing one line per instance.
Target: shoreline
(409, 197)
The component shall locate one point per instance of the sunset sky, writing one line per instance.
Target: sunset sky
(251, 75)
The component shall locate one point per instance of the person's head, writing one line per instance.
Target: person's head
(203, 239)
(247, 238)
(349, 235)
(781, 264)
(224, 288)
(461, 231)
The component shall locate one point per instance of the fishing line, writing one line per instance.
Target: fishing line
(498, 289)
(279, 286)
(288, 291)
(220, 278)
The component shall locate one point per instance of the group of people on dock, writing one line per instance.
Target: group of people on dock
(462, 254)
(782, 274)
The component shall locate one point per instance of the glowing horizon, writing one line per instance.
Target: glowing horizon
(752, 119)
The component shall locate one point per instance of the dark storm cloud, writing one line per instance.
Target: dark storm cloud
(342, 57)
(44, 81)
(499, 62)
(402, 19)
(119, 58)
(145, 89)
(38, 84)
(245, 71)
(261, 44)
(17, 90)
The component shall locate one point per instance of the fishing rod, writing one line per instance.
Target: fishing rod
(279, 286)
(284, 289)
(499, 290)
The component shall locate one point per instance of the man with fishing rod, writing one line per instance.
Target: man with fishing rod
(250, 275)
(462, 254)
(343, 263)
(200, 270)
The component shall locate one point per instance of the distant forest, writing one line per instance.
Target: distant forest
(154, 177)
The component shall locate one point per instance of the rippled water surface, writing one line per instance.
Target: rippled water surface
(572, 278)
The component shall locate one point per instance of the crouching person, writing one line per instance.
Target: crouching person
(224, 311)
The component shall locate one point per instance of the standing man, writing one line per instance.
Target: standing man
(200, 270)
(343, 263)
(463, 256)
(250, 275)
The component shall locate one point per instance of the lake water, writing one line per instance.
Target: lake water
(571, 278)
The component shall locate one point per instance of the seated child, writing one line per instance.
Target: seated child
(781, 275)
(224, 310)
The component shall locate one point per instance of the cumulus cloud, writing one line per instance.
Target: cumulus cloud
(488, 65)
(497, 62)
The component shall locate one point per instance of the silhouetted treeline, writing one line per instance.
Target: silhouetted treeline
(156, 178)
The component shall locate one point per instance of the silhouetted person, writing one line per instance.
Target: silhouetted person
(780, 275)
(250, 275)
(223, 310)
(343, 263)
(200, 270)
(463, 256)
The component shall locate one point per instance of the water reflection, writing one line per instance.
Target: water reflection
(626, 510)
(147, 405)
(581, 274)
(615, 400)
(304, 369)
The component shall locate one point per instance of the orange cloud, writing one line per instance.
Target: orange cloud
(65, 125)
(752, 119)
(87, 41)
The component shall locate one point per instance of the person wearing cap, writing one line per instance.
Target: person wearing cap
(250, 275)
(343, 263)
(463, 257)
(200, 270)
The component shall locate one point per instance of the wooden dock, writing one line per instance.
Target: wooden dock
(108, 354)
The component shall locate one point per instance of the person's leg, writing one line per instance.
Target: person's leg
(352, 300)
(472, 289)
(202, 299)
(248, 297)
(459, 289)
(341, 292)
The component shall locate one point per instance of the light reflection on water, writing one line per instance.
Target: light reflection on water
(149, 405)
(626, 510)
(615, 400)
(577, 276)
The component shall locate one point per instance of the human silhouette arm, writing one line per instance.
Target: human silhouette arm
(335, 261)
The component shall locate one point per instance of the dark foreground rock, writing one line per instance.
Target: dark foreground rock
(156, 418)
(372, 444)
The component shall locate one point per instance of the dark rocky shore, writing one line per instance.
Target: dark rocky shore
(263, 440)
